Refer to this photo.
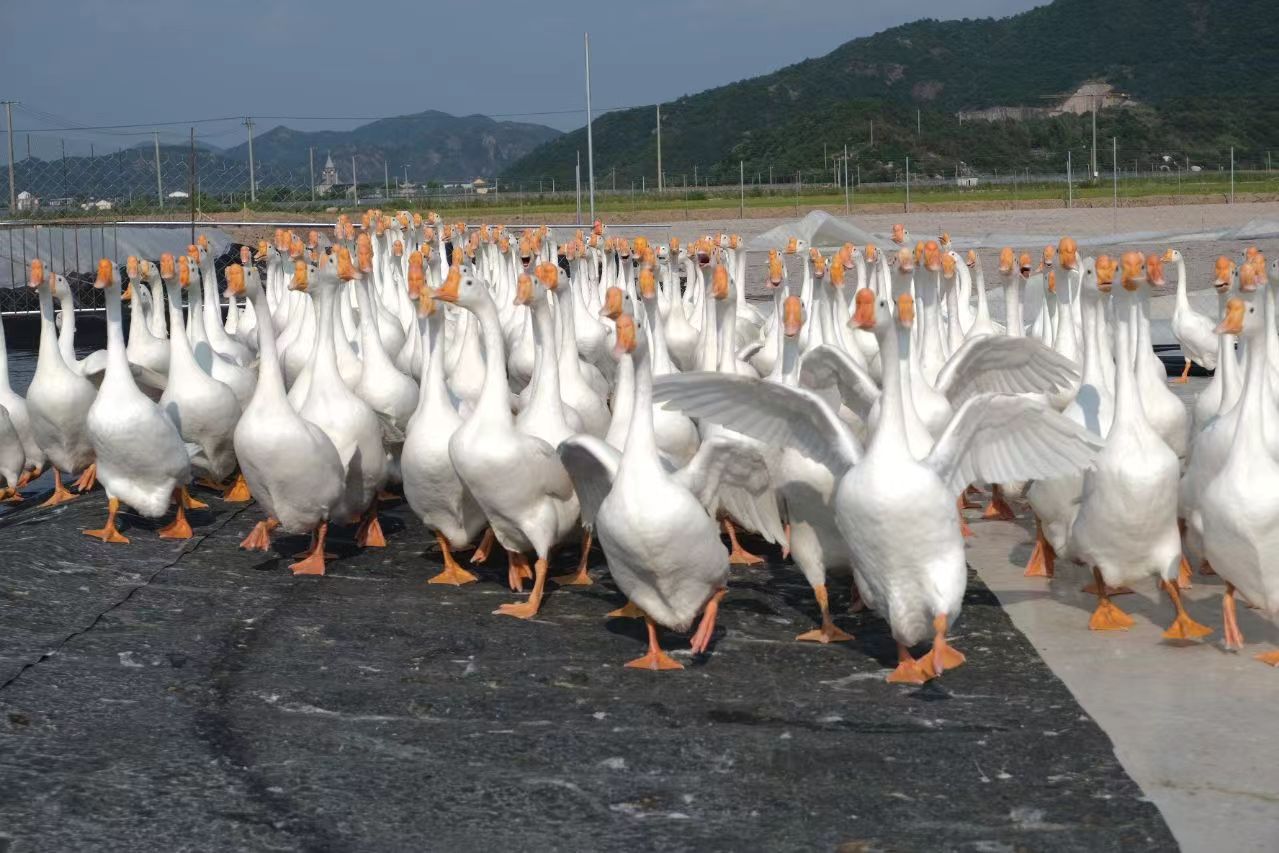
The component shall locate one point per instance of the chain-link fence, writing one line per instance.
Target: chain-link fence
(195, 181)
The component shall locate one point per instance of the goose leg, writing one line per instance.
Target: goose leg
(1185, 375)
(786, 544)
(187, 501)
(963, 522)
(179, 528)
(453, 573)
(738, 556)
(528, 609)
(88, 479)
(10, 495)
(516, 570)
(28, 476)
(1043, 559)
(656, 659)
(944, 656)
(626, 611)
(702, 638)
(1268, 658)
(1184, 574)
(1183, 627)
(61, 494)
(579, 577)
(908, 669)
(312, 562)
(971, 498)
(1230, 625)
(486, 545)
(108, 531)
(998, 507)
(829, 632)
(259, 538)
(239, 492)
(369, 533)
(1107, 617)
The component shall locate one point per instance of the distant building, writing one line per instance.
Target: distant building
(179, 194)
(328, 177)
(27, 201)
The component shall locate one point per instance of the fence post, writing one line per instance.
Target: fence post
(908, 183)
(1232, 174)
(741, 180)
(311, 155)
(1114, 157)
(848, 198)
(253, 184)
(159, 182)
(355, 183)
(1070, 187)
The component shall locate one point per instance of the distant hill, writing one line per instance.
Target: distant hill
(435, 145)
(1171, 55)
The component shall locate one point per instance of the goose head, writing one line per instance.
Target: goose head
(134, 273)
(899, 235)
(1172, 256)
(1104, 267)
(1223, 274)
(36, 277)
(626, 339)
(1023, 265)
(776, 270)
(819, 265)
(1068, 253)
(872, 313)
(234, 280)
(463, 290)
(1049, 258)
(252, 281)
(614, 303)
(721, 286)
(1132, 270)
(837, 270)
(792, 316)
(1239, 319)
(527, 291)
(905, 262)
(108, 275)
(932, 256)
(1155, 270)
(971, 260)
(949, 263)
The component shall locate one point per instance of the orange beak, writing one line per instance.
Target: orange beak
(625, 334)
(1232, 324)
(719, 282)
(1006, 260)
(105, 269)
(301, 275)
(167, 268)
(905, 261)
(864, 308)
(548, 274)
(451, 288)
(37, 273)
(1105, 273)
(906, 310)
(899, 233)
(1130, 264)
(793, 316)
(613, 302)
(524, 290)
(647, 284)
(235, 280)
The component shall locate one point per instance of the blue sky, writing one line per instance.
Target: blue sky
(94, 62)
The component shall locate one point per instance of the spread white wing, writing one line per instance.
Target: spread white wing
(1002, 438)
(592, 465)
(735, 476)
(777, 415)
(996, 364)
(825, 365)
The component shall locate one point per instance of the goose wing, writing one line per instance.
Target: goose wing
(826, 365)
(736, 476)
(1002, 438)
(775, 414)
(592, 465)
(1002, 365)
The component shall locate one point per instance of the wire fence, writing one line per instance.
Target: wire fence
(196, 182)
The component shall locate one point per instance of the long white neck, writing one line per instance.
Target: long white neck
(1016, 326)
(641, 445)
(1183, 300)
(894, 350)
(494, 394)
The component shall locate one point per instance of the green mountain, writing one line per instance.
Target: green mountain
(1199, 70)
(436, 146)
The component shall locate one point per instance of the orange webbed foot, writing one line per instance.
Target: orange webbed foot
(655, 661)
(626, 611)
(1185, 628)
(830, 633)
(259, 538)
(1268, 658)
(88, 479)
(486, 545)
(1108, 617)
(908, 671)
(369, 533)
(239, 492)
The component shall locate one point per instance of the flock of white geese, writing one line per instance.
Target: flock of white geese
(530, 393)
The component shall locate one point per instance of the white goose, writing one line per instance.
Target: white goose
(203, 409)
(12, 459)
(141, 458)
(1224, 383)
(291, 466)
(432, 487)
(531, 512)
(897, 513)
(58, 401)
(1195, 332)
(1126, 528)
(1240, 507)
(33, 458)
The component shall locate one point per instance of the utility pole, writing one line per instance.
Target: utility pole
(355, 184)
(872, 133)
(577, 175)
(1070, 187)
(1095, 173)
(1232, 174)
(848, 190)
(741, 180)
(661, 185)
(919, 122)
(590, 142)
(191, 185)
(908, 183)
(1114, 156)
(253, 184)
(13, 190)
(386, 177)
(159, 182)
(311, 155)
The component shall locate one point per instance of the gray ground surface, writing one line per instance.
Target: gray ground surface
(200, 697)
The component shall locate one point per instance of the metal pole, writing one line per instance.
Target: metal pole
(159, 182)
(848, 190)
(661, 185)
(253, 184)
(386, 177)
(919, 122)
(311, 154)
(1070, 187)
(577, 174)
(1114, 156)
(1095, 174)
(908, 183)
(355, 184)
(13, 190)
(190, 187)
(741, 180)
(590, 142)
(1232, 174)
